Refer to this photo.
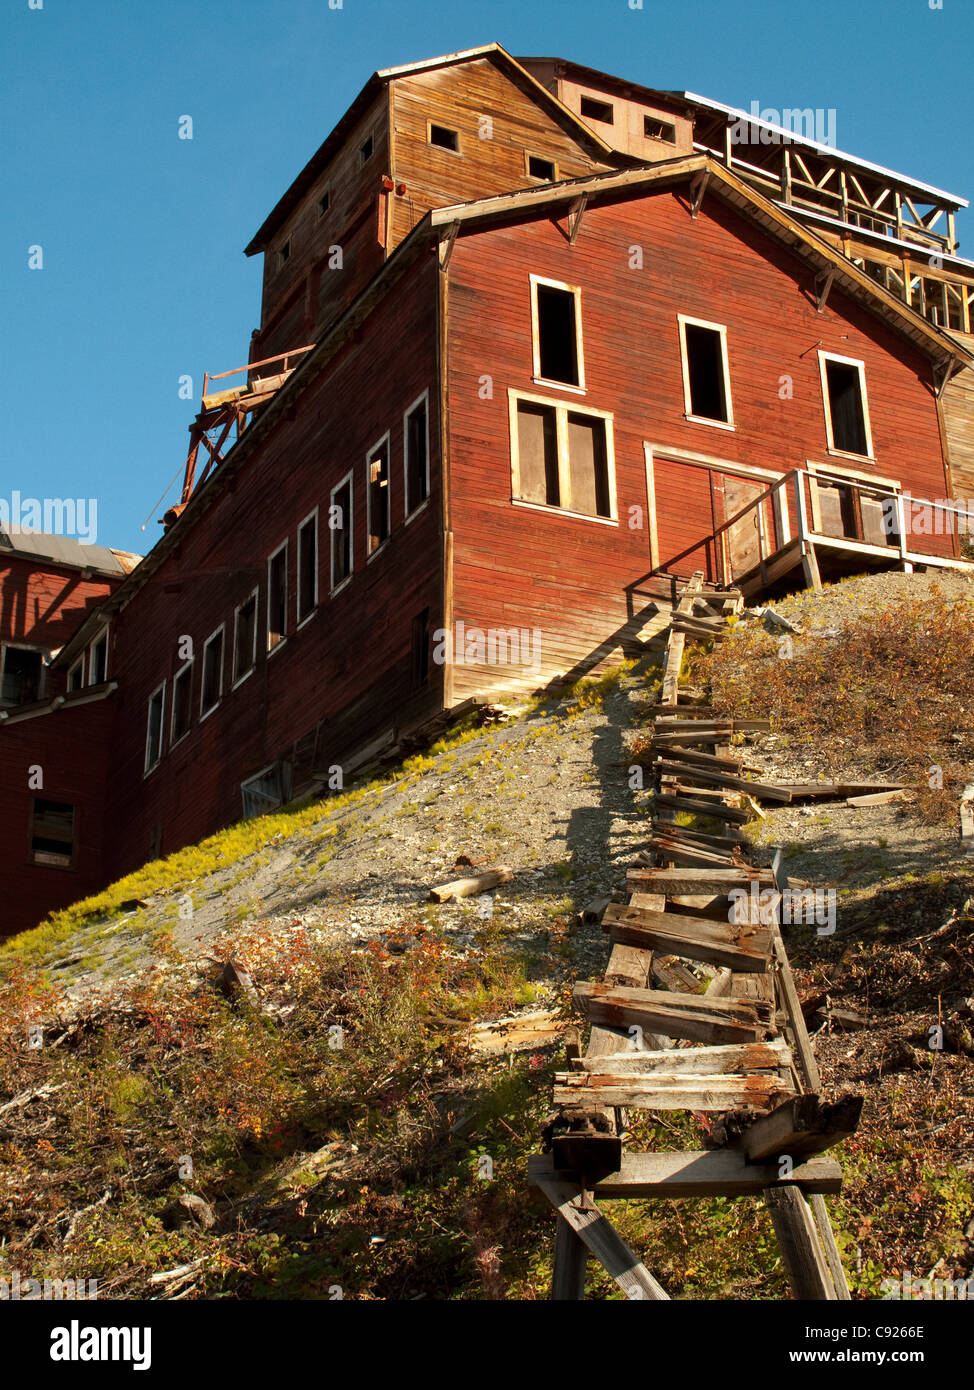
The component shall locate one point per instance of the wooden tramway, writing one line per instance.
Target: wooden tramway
(698, 1010)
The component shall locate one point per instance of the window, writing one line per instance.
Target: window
(153, 733)
(706, 379)
(444, 138)
(284, 254)
(655, 129)
(245, 638)
(23, 675)
(377, 464)
(562, 457)
(366, 150)
(308, 566)
(420, 651)
(98, 660)
(52, 833)
(540, 168)
(277, 598)
(417, 460)
(76, 676)
(182, 696)
(557, 323)
(212, 684)
(324, 203)
(594, 110)
(846, 408)
(266, 789)
(340, 526)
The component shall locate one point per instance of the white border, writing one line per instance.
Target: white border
(161, 691)
(174, 742)
(728, 424)
(334, 588)
(312, 516)
(217, 632)
(562, 410)
(287, 597)
(236, 680)
(423, 399)
(384, 442)
(857, 362)
(539, 380)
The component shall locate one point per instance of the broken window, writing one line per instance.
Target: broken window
(378, 495)
(98, 660)
(594, 110)
(308, 566)
(416, 437)
(340, 526)
(420, 652)
(52, 833)
(563, 459)
(845, 405)
(211, 688)
(182, 695)
(277, 598)
(655, 129)
(557, 355)
(706, 387)
(153, 733)
(284, 254)
(245, 638)
(76, 676)
(23, 672)
(540, 168)
(366, 149)
(445, 138)
(266, 790)
(324, 203)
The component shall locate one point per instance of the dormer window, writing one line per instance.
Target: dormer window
(444, 138)
(593, 110)
(655, 129)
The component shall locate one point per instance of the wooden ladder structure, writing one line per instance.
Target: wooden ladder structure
(739, 1049)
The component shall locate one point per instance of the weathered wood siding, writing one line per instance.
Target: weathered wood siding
(958, 408)
(348, 669)
(44, 604)
(572, 577)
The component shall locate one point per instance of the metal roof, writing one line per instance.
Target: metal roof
(64, 550)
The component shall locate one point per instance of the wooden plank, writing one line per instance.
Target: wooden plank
(700, 807)
(697, 1173)
(967, 818)
(687, 856)
(798, 1241)
(659, 1092)
(571, 1257)
(679, 725)
(801, 1127)
(731, 839)
(738, 945)
(875, 799)
(767, 791)
(697, 881)
(677, 642)
(603, 1240)
(785, 981)
(694, 1061)
(678, 1015)
(733, 765)
(469, 887)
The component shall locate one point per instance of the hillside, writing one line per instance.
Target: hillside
(318, 1121)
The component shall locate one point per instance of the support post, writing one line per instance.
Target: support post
(798, 1242)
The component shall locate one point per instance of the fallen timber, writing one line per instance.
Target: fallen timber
(664, 1038)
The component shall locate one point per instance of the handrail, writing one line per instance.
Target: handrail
(235, 371)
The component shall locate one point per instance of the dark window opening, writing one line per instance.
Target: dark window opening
(655, 129)
(245, 638)
(366, 149)
(22, 674)
(324, 203)
(340, 525)
(307, 568)
(76, 675)
(212, 673)
(284, 254)
(417, 458)
(597, 110)
(98, 663)
(557, 335)
(845, 407)
(588, 465)
(52, 833)
(537, 453)
(444, 138)
(379, 511)
(705, 371)
(182, 694)
(540, 168)
(277, 599)
(153, 734)
(420, 658)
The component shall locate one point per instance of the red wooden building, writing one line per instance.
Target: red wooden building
(513, 374)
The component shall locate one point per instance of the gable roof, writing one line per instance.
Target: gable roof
(319, 161)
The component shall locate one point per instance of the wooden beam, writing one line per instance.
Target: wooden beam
(575, 213)
(697, 1173)
(676, 1015)
(661, 1092)
(571, 1257)
(681, 881)
(798, 1242)
(765, 791)
(802, 1126)
(739, 946)
(602, 1239)
(694, 1061)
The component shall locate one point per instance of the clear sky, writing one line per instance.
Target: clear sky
(144, 278)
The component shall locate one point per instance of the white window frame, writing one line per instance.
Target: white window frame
(533, 154)
(455, 130)
(236, 680)
(287, 598)
(562, 410)
(91, 647)
(385, 440)
(823, 358)
(422, 399)
(161, 691)
(71, 670)
(312, 516)
(536, 377)
(683, 320)
(205, 714)
(173, 741)
(334, 588)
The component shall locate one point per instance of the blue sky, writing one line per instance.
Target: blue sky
(144, 278)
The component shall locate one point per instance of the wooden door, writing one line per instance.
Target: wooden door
(742, 540)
